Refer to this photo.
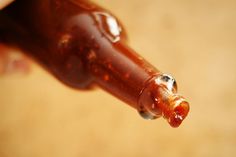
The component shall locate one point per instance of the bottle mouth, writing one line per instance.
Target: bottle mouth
(177, 112)
(160, 98)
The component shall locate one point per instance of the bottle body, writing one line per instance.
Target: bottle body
(81, 44)
(43, 34)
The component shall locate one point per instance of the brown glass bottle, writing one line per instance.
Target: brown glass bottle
(82, 44)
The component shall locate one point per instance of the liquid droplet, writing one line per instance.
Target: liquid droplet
(168, 81)
(147, 115)
(108, 25)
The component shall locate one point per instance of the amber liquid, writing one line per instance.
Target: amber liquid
(82, 44)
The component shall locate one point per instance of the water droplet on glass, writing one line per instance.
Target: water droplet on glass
(147, 115)
(168, 81)
(108, 25)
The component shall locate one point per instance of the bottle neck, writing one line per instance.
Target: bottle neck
(120, 71)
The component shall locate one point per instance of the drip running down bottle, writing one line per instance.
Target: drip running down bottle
(82, 44)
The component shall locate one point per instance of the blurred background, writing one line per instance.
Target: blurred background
(195, 40)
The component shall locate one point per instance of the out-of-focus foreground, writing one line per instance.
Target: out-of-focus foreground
(194, 40)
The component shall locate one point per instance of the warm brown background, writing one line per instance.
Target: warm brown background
(195, 40)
